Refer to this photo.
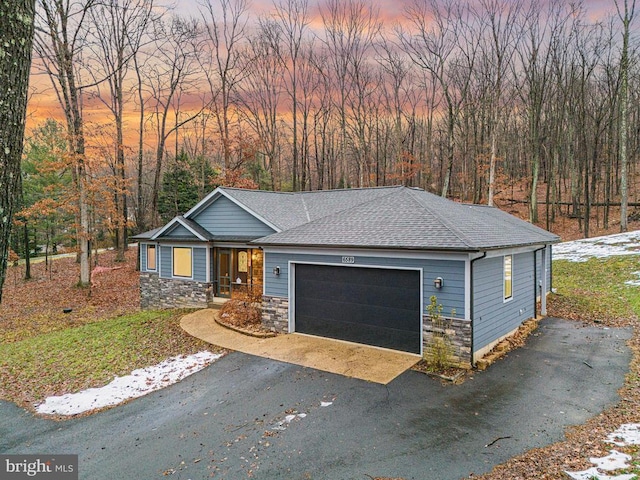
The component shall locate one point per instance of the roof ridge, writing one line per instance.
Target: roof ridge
(435, 212)
(346, 190)
(304, 206)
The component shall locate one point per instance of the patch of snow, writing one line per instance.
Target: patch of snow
(636, 282)
(600, 247)
(138, 383)
(594, 474)
(614, 461)
(627, 434)
(326, 404)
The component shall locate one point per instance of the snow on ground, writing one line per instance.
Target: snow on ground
(138, 383)
(628, 434)
(599, 247)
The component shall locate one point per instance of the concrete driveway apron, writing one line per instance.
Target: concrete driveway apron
(251, 417)
(373, 364)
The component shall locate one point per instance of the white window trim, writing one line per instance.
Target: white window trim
(506, 299)
(157, 254)
(172, 263)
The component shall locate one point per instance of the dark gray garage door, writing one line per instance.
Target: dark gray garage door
(373, 306)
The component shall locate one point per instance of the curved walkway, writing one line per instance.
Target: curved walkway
(373, 364)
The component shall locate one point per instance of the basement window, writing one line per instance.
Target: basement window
(508, 277)
(182, 265)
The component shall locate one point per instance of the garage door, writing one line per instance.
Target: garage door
(373, 306)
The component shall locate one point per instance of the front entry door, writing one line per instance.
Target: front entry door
(224, 273)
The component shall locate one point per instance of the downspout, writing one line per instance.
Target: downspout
(535, 280)
(550, 268)
(484, 254)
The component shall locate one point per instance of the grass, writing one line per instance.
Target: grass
(90, 355)
(595, 290)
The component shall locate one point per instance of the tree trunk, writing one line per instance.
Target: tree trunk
(624, 105)
(27, 253)
(16, 38)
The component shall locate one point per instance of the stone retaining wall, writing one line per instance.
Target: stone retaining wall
(275, 313)
(156, 292)
(458, 332)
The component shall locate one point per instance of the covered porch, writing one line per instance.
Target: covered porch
(235, 269)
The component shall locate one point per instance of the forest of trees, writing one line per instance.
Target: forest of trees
(473, 100)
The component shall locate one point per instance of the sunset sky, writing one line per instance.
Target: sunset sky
(43, 103)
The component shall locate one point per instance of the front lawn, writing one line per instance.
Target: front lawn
(596, 290)
(90, 355)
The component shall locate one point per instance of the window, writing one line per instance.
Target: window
(182, 262)
(508, 277)
(151, 257)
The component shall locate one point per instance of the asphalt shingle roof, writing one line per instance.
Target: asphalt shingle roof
(287, 210)
(414, 219)
(381, 217)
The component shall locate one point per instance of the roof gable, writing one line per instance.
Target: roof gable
(224, 216)
(182, 228)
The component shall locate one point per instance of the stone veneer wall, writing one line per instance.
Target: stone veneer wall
(459, 333)
(275, 313)
(156, 292)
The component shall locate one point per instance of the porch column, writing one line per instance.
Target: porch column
(543, 294)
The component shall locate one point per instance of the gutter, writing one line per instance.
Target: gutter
(484, 254)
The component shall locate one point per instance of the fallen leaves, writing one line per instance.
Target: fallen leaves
(36, 306)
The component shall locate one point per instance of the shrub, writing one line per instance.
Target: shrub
(244, 308)
(439, 350)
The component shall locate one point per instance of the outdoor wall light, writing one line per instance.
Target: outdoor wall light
(438, 283)
(276, 271)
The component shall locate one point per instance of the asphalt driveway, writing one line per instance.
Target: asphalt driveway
(250, 417)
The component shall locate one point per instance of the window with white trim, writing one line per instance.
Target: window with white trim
(182, 262)
(508, 277)
(151, 257)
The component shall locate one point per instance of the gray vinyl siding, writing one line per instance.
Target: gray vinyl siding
(200, 264)
(165, 262)
(451, 296)
(143, 257)
(181, 232)
(493, 317)
(223, 217)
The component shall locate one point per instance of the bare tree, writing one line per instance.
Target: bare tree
(119, 28)
(16, 39)
(626, 14)
(293, 18)
(351, 27)
(170, 72)
(59, 40)
(260, 93)
(446, 48)
(224, 67)
(498, 48)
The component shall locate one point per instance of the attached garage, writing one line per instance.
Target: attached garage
(373, 306)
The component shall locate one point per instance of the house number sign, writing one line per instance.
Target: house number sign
(348, 259)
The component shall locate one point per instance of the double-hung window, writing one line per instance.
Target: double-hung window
(151, 257)
(508, 277)
(182, 262)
